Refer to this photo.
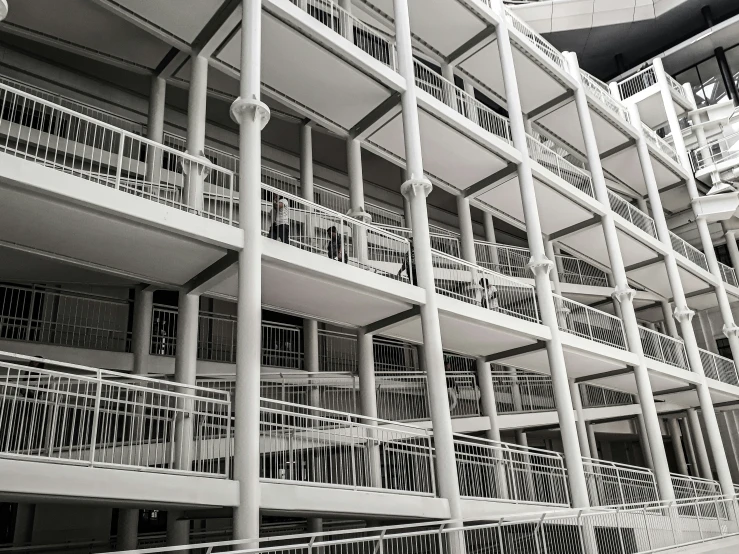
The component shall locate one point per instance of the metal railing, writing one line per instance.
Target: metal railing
(496, 470)
(308, 226)
(594, 396)
(599, 90)
(663, 348)
(476, 285)
(719, 368)
(78, 106)
(340, 202)
(310, 445)
(688, 251)
(72, 414)
(638, 82)
(589, 323)
(549, 159)
(444, 242)
(448, 93)
(613, 484)
(508, 260)
(632, 214)
(371, 40)
(694, 487)
(716, 152)
(676, 87)
(728, 274)
(575, 271)
(536, 40)
(660, 144)
(637, 528)
(63, 317)
(38, 130)
(518, 391)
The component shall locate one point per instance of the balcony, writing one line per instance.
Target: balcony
(717, 156)
(613, 484)
(661, 144)
(631, 214)
(441, 240)
(688, 251)
(554, 161)
(642, 88)
(600, 91)
(728, 274)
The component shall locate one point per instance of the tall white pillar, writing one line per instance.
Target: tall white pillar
(449, 95)
(699, 444)
(416, 188)
(677, 446)
(252, 115)
(143, 306)
(185, 370)
(368, 398)
(733, 249)
(306, 162)
(641, 203)
(310, 346)
(644, 442)
(196, 112)
(128, 529)
(489, 409)
(582, 430)
(489, 224)
(704, 320)
(466, 231)
(356, 197)
(155, 126)
(592, 441)
(689, 448)
(684, 316)
(623, 293)
(23, 527)
(540, 266)
(669, 319)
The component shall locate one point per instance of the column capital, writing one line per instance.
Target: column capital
(730, 331)
(623, 294)
(360, 214)
(413, 187)
(683, 314)
(255, 108)
(540, 265)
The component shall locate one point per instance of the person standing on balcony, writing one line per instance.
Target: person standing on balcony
(489, 297)
(335, 246)
(409, 264)
(280, 219)
(452, 389)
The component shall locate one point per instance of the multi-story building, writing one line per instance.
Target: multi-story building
(360, 275)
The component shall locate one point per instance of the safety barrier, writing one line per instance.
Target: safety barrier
(632, 214)
(663, 348)
(688, 251)
(719, 368)
(584, 321)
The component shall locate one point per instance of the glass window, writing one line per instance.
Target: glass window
(732, 58)
(713, 90)
(723, 348)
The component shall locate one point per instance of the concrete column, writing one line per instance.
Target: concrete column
(731, 246)
(669, 320)
(467, 242)
(185, 369)
(143, 305)
(699, 444)
(516, 390)
(196, 112)
(489, 409)
(310, 346)
(704, 319)
(689, 448)
(641, 203)
(306, 162)
(592, 441)
(623, 293)
(252, 115)
(540, 266)
(469, 88)
(677, 446)
(128, 529)
(23, 527)
(368, 398)
(155, 126)
(489, 224)
(582, 431)
(415, 189)
(449, 95)
(616, 304)
(644, 442)
(356, 197)
(730, 329)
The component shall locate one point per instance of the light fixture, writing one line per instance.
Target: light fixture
(3, 9)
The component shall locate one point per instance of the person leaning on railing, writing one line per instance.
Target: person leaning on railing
(489, 297)
(280, 219)
(409, 264)
(335, 246)
(452, 389)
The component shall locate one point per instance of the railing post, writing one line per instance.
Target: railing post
(31, 306)
(95, 417)
(119, 160)
(352, 429)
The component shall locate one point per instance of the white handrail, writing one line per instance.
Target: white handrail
(638, 82)
(584, 321)
(662, 348)
(688, 251)
(719, 368)
(632, 214)
(601, 91)
(660, 143)
(555, 163)
(536, 40)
